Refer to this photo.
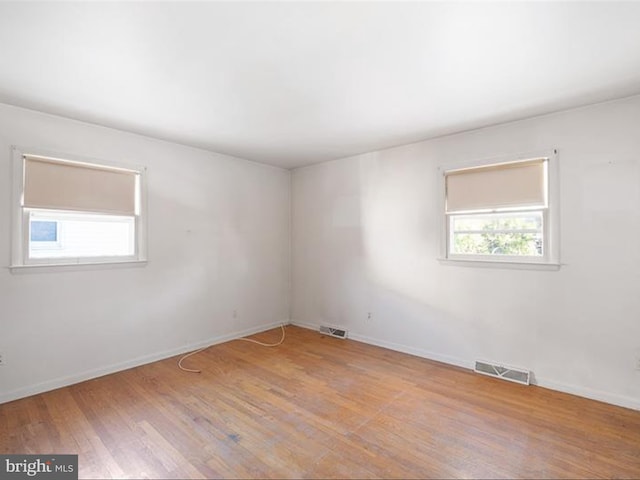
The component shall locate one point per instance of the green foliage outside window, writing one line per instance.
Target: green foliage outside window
(519, 235)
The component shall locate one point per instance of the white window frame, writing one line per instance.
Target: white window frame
(20, 216)
(551, 218)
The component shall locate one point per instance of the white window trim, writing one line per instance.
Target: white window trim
(20, 217)
(550, 260)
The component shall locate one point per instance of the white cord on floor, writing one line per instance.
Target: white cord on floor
(184, 357)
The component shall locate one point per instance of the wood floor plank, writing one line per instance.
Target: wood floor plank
(318, 407)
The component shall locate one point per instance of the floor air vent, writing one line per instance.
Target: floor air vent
(500, 371)
(334, 332)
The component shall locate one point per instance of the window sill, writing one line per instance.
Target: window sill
(500, 264)
(71, 267)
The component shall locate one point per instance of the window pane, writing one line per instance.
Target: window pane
(518, 234)
(44, 231)
(83, 235)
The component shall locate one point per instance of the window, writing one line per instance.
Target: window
(517, 233)
(80, 235)
(502, 211)
(71, 211)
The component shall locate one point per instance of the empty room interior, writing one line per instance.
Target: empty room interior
(320, 239)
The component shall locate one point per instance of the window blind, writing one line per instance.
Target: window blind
(506, 185)
(60, 185)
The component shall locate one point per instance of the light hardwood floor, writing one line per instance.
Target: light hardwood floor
(319, 407)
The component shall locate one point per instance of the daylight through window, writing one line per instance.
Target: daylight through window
(73, 212)
(498, 212)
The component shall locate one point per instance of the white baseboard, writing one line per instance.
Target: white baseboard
(614, 399)
(418, 352)
(611, 398)
(135, 362)
(606, 397)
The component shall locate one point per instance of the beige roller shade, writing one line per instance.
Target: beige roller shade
(60, 185)
(507, 185)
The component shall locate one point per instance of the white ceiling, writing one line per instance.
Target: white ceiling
(291, 84)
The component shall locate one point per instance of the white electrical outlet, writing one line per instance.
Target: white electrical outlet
(3, 359)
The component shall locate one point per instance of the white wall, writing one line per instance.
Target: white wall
(218, 242)
(366, 239)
